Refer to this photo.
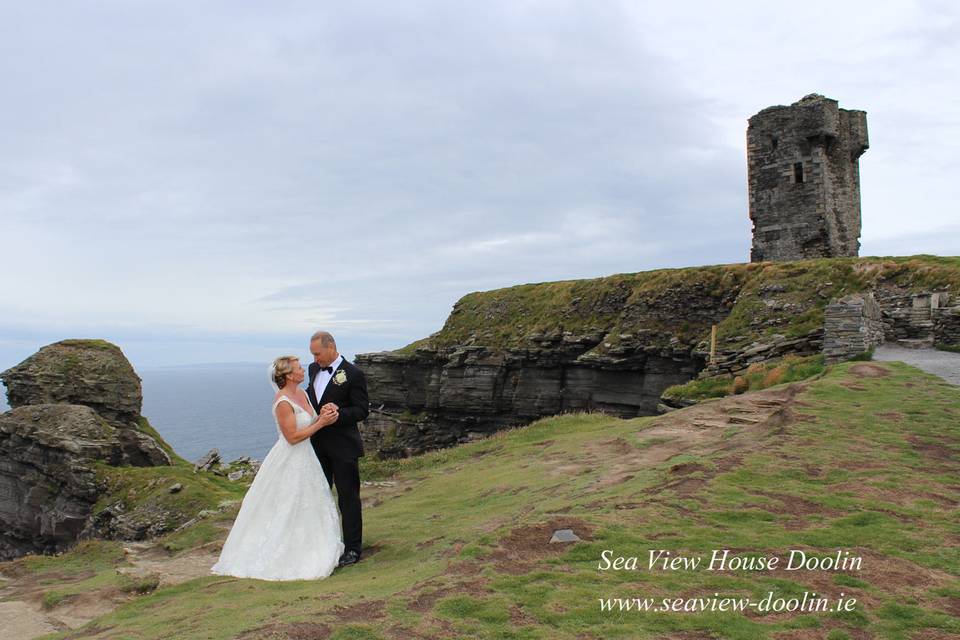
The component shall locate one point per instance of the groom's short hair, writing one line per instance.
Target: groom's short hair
(325, 338)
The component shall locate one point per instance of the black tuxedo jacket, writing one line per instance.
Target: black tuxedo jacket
(342, 438)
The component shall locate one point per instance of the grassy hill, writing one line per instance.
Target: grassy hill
(863, 459)
(748, 302)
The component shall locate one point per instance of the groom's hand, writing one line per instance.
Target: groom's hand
(330, 406)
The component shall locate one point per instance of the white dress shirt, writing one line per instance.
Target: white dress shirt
(323, 378)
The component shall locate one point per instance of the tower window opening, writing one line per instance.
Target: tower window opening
(798, 172)
(773, 143)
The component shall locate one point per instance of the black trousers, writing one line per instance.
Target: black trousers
(345, 474)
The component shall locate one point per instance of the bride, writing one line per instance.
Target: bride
(288, 527)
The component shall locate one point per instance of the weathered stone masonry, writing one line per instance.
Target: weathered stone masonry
(852, 326)
(804, 180)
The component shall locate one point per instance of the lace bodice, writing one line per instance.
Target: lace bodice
(304, 417)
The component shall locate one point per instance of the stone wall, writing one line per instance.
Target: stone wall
(852, 326)
(804, 180)
(920, 320)
(946, 326)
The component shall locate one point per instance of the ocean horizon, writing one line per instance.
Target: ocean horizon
(196, 408)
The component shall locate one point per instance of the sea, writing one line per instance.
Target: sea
(202, 407)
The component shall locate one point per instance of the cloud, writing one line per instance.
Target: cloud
(253, 171)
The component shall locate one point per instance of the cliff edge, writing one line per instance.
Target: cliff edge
(510, 356)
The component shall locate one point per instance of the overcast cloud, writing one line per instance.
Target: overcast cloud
(210, 182)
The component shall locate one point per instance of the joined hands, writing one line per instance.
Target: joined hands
(329, 413)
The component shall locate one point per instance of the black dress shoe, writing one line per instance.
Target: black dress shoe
(348, 558)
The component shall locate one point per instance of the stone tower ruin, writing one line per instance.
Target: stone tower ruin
(803, 172)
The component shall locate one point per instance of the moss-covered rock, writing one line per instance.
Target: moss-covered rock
(145, 502)
(94, 373)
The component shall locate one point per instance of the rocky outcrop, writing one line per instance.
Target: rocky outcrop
(732, 362)
(510, 356)
(93, 373)
(612, 345)
(430, 399)
(76, 404)
(47, 485)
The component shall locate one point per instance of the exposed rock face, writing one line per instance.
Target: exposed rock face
(804, 180)
(94, 373)
(75, 403)
(612, 347)
(510, 356)
(736, 361)
(438, 399)
(46, 488)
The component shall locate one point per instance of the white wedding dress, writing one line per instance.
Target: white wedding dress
(288, 527)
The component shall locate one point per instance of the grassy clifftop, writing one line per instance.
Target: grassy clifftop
(667, 306)
(863, 459)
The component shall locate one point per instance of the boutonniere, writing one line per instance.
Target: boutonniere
(340, 377)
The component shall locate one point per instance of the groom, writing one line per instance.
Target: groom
(334, 381)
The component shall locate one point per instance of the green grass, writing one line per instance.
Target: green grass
(748, 302)
(715, 387)
(143, 425)
(65, 357)
(81, 559)
(757, 377)
(88, 343)
(146, 490)
(513, 316)
(865, 464)
(139, 585)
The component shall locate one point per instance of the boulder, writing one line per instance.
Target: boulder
(208, 461)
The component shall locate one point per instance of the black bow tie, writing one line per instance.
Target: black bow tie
(327, 369)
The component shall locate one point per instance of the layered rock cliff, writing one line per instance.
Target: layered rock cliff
(614, 344)
(75, 404)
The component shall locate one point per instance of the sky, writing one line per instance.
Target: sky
(212, 182)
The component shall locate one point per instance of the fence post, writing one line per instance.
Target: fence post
(713, 345)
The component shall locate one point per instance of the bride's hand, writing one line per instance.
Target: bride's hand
(326, 418)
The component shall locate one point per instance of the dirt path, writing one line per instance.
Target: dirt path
(22, 620)
(22, 616)
(940, 363)
(733, 425)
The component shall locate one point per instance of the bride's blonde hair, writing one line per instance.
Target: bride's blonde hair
(282, 367)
